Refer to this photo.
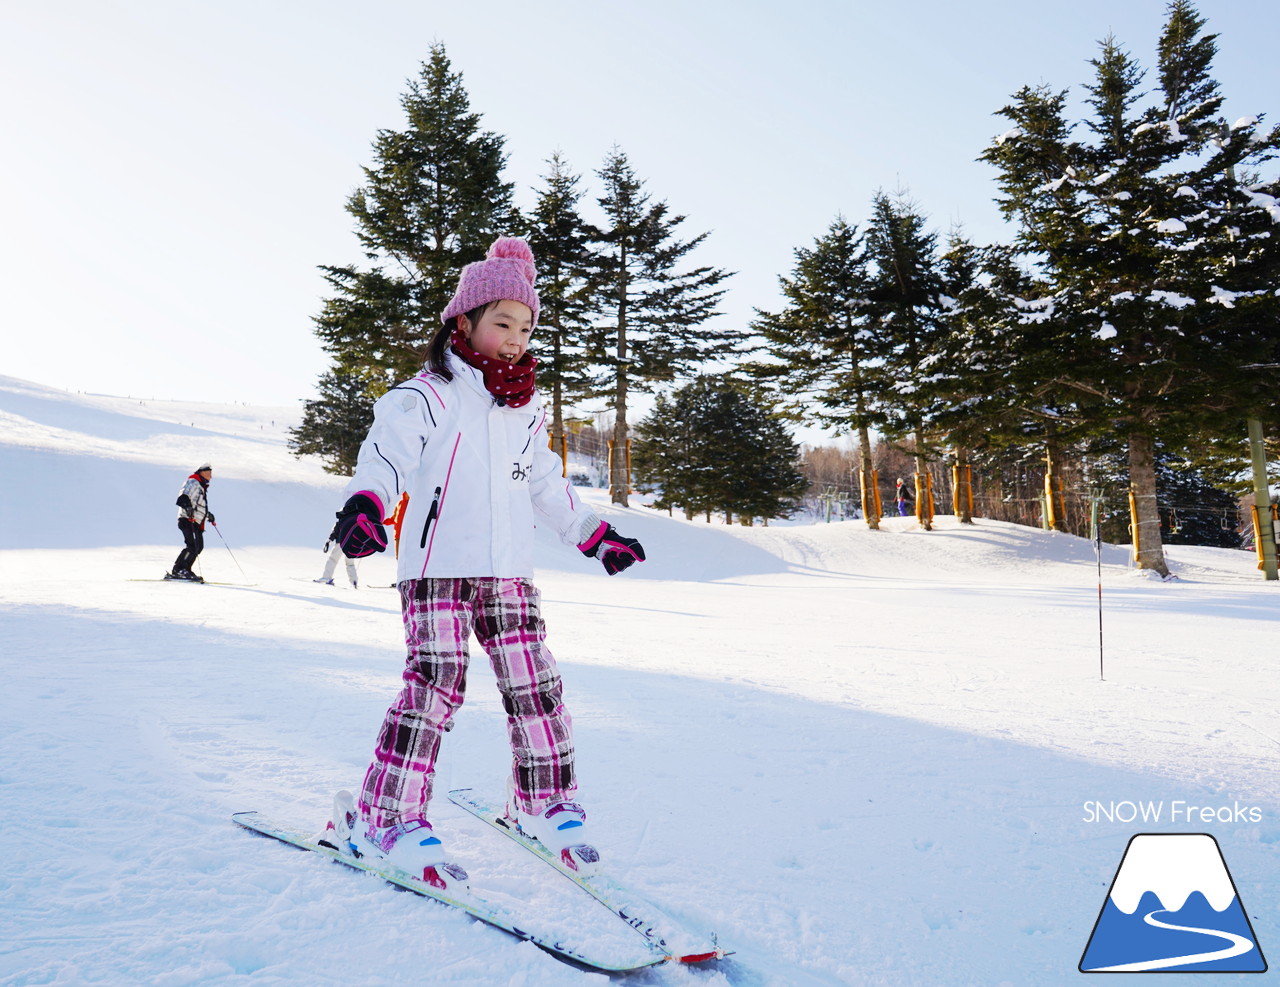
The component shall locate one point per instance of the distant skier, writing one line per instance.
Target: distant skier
(193, 511)
(331, 563)
(902, 497)
(467, 438)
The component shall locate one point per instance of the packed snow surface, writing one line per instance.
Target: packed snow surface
(858, 757)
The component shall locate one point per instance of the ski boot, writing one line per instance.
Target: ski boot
(561, 828)
(409, 845)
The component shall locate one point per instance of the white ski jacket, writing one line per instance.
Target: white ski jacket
(196, 496)
(475, 471)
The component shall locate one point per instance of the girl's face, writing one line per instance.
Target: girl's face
(502, 333)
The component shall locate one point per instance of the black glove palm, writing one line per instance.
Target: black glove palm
(359, 529)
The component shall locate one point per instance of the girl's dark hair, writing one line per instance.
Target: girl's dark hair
(439, 345)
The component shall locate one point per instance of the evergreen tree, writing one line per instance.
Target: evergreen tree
(653, 307)
(984, 396)
(673, 456)
(980, 392)
(432, 201)
(1223, 457)
(334, 425)
(712, 447)
(370, 326)
(955, 386)
(561, 242)
(1159, 262)
(1192, 510)
(764, 480)
(821, 364)
(904, 308)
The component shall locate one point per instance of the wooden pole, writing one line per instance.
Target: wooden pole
(924, 500)
(1263, 523)
(1133, 525)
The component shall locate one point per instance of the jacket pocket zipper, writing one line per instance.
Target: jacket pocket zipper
(432, 515)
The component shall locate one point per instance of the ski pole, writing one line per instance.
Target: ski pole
(1097, 548)
(233, 554)
(1095, 530)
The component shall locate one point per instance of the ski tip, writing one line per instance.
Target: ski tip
(715, 954)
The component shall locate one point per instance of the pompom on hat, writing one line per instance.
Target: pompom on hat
(507, 272)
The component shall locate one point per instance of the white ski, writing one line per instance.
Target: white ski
(474, 904)
(664, 933)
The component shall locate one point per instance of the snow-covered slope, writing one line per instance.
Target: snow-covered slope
(85, 471)
(859, 757)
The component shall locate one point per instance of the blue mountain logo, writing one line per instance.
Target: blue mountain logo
(1173, 907)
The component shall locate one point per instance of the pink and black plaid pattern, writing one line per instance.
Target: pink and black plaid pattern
(439, 616)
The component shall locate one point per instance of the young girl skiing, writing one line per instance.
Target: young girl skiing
(466, 439)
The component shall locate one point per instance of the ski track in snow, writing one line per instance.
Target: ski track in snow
(860, 758)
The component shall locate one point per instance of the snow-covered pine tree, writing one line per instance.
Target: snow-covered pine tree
(956, 383)
(982, 394)
(960, 274)
(1222, 456)
(654, 309)
(432, 201)
(904, 308)
(1158, 253)
(819, 363)
(1192, 510)
(561, 241)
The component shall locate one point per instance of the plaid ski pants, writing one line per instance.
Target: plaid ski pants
(439, 616)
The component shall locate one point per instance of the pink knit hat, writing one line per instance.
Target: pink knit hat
(507, 272)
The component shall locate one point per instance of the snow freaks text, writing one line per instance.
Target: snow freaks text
(1175, 811)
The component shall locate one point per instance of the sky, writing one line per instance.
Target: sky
(174, 173)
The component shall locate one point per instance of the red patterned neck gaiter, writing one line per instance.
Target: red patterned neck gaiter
(511, 383)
